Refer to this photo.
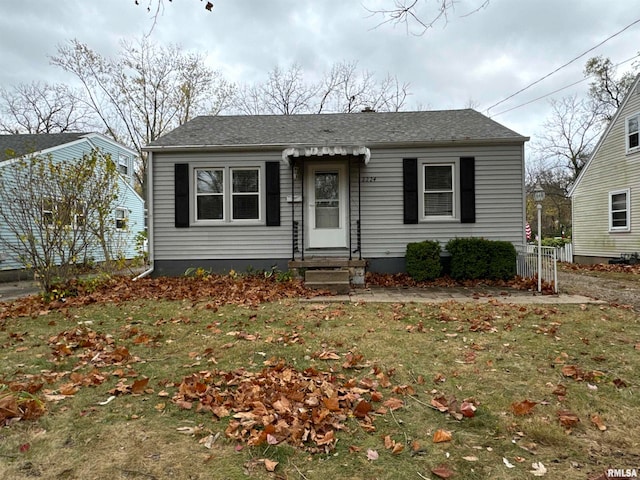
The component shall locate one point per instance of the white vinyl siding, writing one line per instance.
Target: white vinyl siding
(499, 173)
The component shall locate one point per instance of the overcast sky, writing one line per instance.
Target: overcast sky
(478, 60)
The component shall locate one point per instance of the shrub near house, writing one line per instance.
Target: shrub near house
(471, 259)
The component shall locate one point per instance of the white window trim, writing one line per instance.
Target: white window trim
(259, 193)
(123, 160)
(626, 228)
(442, 162)
(627, 133)
(209, 221)
(126, 218)
(227, 200)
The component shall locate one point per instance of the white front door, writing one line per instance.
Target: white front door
(327, 205)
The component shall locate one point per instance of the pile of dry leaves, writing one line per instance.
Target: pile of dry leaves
(281, 404)
(220, 289)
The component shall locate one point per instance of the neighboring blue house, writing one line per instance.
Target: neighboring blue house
(67, 147)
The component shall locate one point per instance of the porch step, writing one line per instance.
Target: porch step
(334, 280)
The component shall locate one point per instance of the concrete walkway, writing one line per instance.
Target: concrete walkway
(13, 290)
(456, 294)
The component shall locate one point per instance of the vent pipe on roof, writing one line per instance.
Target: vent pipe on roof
(368, 110)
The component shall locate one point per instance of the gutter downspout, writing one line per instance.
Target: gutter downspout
(149, 216)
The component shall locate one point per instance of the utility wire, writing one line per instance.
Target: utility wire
(558, 90)
(562, 66)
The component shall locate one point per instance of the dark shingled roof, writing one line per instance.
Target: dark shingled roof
(12, 146)
(367, 128)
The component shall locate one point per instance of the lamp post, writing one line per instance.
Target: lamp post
(538, 197)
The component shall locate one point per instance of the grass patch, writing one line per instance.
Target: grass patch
(491, 355)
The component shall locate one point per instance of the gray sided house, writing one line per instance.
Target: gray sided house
(239, 192)
(128, 215)
(606, 194)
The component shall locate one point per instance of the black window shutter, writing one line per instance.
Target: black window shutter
(467, 190)
(181, 178)
(272, 182)
(410, 189)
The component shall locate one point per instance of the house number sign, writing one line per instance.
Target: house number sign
(368, 179)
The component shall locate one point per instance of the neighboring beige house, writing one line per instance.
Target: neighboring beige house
(606, 194)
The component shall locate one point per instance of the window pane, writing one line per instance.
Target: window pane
(619, 201)
(245, 181)
(633, 140)
(619, 219)
(633, 124)
(438, 204)
(437, 177)
(245, 207)
(210, 181)
(210, 207)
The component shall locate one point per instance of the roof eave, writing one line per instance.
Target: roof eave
(280, 146)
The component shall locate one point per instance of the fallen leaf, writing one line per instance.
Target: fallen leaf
(470, 458)
(507, 463)
(442, 471)
(539, 470)
(523, 408)
(24, 447)
(270, 465)
(372, 454)
(442, 436)
(597, 421)
(567, 419)
(139, 385)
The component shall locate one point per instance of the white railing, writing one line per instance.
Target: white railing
(527, 264)
(565, 253)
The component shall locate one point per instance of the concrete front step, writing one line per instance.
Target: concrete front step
(334, 280)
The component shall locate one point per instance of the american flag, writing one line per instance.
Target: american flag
(527, 231)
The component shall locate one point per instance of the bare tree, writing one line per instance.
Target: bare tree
(418, 16)
(145, 91)
(607, 89)
(570, 134)
(342, 89)
(40, 107)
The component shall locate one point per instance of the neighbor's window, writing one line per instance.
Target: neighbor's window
(47, 212)
(245, 193)
(121, 218)
(619, 210)
(438, 191)
(633, 131)
(123, 165)
(209, 194)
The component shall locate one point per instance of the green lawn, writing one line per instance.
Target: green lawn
(195, 389)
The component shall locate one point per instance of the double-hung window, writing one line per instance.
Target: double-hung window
(121, 218)
(209, 194)
(123, 165)
(245, 193)
(619, 205)
(439, 191)
(227, 194)
(633, 133)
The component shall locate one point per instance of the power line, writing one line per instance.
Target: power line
(562, 66)
(558, 90)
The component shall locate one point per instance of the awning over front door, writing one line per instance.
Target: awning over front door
(294, 152)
